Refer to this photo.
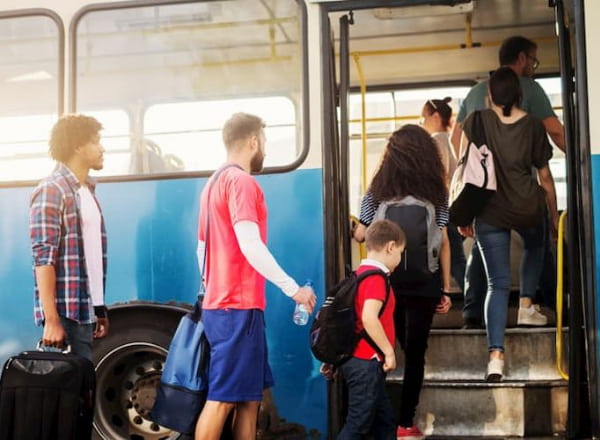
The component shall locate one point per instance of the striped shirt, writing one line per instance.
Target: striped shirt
(57, 240)
(368, 206)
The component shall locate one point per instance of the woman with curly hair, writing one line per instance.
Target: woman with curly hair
(411, 166)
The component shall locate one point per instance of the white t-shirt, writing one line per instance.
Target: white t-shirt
(442, 140)
(91, 225)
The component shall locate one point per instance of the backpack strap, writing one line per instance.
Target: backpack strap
(363, 334)
(478, 130)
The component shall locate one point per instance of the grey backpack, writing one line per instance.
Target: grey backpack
(420, 259)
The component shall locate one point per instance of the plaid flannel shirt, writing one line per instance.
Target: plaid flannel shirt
(57, 240)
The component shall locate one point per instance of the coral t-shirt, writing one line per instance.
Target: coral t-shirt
(230, 280)
(373, 287)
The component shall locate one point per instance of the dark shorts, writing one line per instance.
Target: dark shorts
(239, 369)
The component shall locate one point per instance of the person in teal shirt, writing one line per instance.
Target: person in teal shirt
(520, 54)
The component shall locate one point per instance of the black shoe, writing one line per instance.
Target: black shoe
(472, 324)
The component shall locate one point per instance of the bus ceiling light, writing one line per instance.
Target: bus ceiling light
(423, 11)
(40, 75)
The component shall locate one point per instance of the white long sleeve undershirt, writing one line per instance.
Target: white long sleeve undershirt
(258, 255)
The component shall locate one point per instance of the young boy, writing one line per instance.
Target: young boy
(369, 407)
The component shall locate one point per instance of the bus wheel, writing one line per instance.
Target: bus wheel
(129, 363)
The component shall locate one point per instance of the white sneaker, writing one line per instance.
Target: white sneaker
(495, 370)
(531, 316)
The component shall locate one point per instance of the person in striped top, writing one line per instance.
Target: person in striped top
(411, 166)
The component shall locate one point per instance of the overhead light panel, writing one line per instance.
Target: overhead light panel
(422, 11)
(40, 75)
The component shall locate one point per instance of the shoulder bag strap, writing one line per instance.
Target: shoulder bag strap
(363, 334)
(212, 181)
(478, 130)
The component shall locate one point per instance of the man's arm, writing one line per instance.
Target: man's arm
(44, 228)
(373, 327)
(54, 334)
(556, 131)
(261, 259)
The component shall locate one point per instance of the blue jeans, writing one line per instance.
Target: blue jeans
(457, 256)
(369, 406)
(494, 244)
(79, 336)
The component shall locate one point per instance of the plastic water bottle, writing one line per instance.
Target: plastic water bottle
(300, 312)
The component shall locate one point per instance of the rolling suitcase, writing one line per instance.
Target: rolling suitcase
(47, 395)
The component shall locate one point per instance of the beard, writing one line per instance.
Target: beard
(98, 165)
(256, 164)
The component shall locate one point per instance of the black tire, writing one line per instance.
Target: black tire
(128, 365)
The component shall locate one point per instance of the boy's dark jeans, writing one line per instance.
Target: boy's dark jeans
(369, 406)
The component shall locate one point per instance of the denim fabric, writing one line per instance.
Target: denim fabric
(79, 336)
(369, 406)
(548, 277)
(494, 244)
(475, 287)
(412, 317)
(457, 255)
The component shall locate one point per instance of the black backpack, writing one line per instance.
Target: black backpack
(420, 259)
(332, 335)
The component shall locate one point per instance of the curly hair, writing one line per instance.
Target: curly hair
(411, 166)
(70, 132)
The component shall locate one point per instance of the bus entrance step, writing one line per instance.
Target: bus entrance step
(462, 355)
(480, 409)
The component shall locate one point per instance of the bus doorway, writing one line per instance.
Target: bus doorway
(383, 63)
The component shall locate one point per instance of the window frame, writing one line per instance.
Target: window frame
(60, 73)
(303, 117)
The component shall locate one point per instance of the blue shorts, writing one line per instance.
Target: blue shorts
(238, 370)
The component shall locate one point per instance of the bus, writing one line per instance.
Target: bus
(332, 79)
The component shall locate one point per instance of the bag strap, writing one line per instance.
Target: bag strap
(478, 130)
(212, 181)
(363, 334)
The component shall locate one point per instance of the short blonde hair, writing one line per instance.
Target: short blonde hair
(241, 126)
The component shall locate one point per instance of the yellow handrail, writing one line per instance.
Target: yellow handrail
(559, 296)
(363, 117)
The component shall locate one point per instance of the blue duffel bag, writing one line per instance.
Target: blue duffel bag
(181, 393)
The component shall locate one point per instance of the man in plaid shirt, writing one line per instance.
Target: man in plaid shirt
(68, 240)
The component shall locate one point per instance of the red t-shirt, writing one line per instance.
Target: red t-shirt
(373, 287)
(230, 280)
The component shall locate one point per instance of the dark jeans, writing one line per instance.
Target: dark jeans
(457, 256)
(475, 287)
(369, 406)
(548, 278)
(412, 317)
(79, 337)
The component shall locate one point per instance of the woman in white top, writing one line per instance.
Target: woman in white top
(436, 118)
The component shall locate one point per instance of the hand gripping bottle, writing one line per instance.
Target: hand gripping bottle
(300, 312)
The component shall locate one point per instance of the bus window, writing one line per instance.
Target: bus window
(30, 99)
(115, 140)
(181, 69)
(190, 132)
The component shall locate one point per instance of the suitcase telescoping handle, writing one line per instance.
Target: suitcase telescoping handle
(42, 347)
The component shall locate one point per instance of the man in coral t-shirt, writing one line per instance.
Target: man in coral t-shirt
(235, 261)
